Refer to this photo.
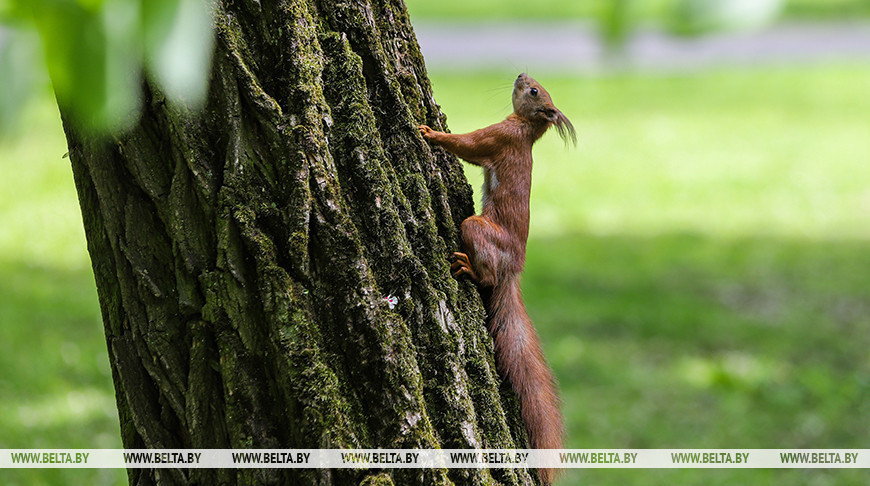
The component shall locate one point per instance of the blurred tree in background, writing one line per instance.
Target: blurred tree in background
(684, 17)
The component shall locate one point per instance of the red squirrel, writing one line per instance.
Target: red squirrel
(494, 249)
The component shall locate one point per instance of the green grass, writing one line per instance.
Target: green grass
(641, 10)
(56, 386)
(693, 341)
(697, 269)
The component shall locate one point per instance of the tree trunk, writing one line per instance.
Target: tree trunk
(243, 253)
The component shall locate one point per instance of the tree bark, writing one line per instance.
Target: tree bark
(242, 255)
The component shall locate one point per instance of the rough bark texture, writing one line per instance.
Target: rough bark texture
(242, 255)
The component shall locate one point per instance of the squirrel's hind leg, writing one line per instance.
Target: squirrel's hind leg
(484, 242)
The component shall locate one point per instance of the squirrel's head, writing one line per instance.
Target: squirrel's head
(532, 102)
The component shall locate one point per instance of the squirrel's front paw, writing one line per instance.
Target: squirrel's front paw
(425, 131)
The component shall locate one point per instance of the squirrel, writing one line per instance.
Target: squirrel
(494, 250)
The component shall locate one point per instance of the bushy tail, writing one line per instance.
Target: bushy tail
(520, 359)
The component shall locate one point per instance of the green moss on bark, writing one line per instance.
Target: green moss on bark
(243, 255)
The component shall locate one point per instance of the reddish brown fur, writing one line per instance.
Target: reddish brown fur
(495, 244)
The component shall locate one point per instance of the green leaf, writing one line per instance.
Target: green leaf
(94, 60)
(179, 41)
(121, 22)
(95, 50)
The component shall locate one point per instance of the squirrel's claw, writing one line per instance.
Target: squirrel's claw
(425, 131)
(459, 256)
(463, 270)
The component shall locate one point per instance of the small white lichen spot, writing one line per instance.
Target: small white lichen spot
(460, 392)
(445, 317)
(468, 433)
(410, 422)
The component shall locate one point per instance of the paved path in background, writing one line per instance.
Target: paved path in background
(575, 47)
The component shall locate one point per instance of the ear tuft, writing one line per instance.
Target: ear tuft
(565, 128)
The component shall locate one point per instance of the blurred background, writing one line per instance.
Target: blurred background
(697, 267)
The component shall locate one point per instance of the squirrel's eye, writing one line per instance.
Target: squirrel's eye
(534, 91)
